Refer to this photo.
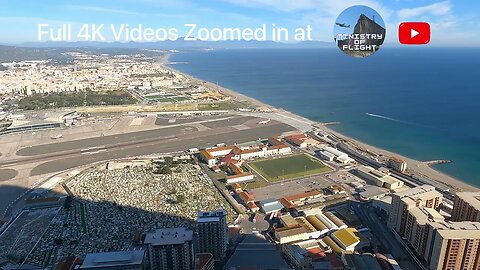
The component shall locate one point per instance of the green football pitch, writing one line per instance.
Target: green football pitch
(290, 167)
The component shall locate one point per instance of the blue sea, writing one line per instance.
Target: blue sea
(423, 103)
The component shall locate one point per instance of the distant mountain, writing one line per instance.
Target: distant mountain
(179, 44)
(14, 53)
(54, 50)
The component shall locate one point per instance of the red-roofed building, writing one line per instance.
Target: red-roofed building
(301, 140)
(316, 254)
(246, 197)
(237, 178)
(208, 158)
(291, 202)
(297, 140)
(286, 203)
(253, 207)
(236, 187)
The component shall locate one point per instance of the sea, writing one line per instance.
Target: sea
(421, 102)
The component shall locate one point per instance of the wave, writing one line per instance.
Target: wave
(389, 118)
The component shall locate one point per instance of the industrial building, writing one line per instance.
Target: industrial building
(379, 178)
(346, 238)
(38, 121)
(302, 199)
(271, 205)
(332, 154)
(301, 140)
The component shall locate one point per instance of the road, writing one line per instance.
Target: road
(401, 253)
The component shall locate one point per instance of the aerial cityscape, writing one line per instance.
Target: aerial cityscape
(118, 156)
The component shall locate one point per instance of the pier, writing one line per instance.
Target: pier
(436, 162)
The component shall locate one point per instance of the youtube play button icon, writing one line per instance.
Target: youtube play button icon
(414, 33)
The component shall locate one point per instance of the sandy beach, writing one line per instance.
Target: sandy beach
(418, 168)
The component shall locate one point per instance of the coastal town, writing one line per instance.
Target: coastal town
(148, 168)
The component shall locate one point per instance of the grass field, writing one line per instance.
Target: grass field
(289, 167)
(163, 99)
(256, 184)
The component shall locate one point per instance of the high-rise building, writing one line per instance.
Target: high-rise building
(421, 196)
(170, 249)
(466, 207)
(417, 227)
(453, 245)
(213, 233)
(118, 260)
(443, 244)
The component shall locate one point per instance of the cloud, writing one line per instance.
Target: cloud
(321, 6)
(282, 5)
(32, 20)
(438, 9)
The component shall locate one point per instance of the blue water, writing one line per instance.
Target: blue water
(429, 97)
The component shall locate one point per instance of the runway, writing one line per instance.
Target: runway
(59, 156)
(174, 144)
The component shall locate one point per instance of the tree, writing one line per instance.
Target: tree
(180, 198)
(166, 170)
(168, 161)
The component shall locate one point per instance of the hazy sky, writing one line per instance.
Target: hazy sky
(454, 23)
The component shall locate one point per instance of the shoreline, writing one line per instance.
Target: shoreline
(419, 167)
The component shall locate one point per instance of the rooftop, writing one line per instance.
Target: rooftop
(347, 236)
(211, 216)
(290, 231)
(111, 259)
(255, 252)
(334, 246)
(472, 198)
(373, 191)
(420, 192)
(270, 205)
(361, 261)
(458, 230)
(305, 195)
(171, 236)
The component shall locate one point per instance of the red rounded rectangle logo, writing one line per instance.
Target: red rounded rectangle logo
(414, 33)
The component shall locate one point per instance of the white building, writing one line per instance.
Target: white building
(379, 178)
(339, 156)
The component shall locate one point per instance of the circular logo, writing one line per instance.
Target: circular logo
(359, 31)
